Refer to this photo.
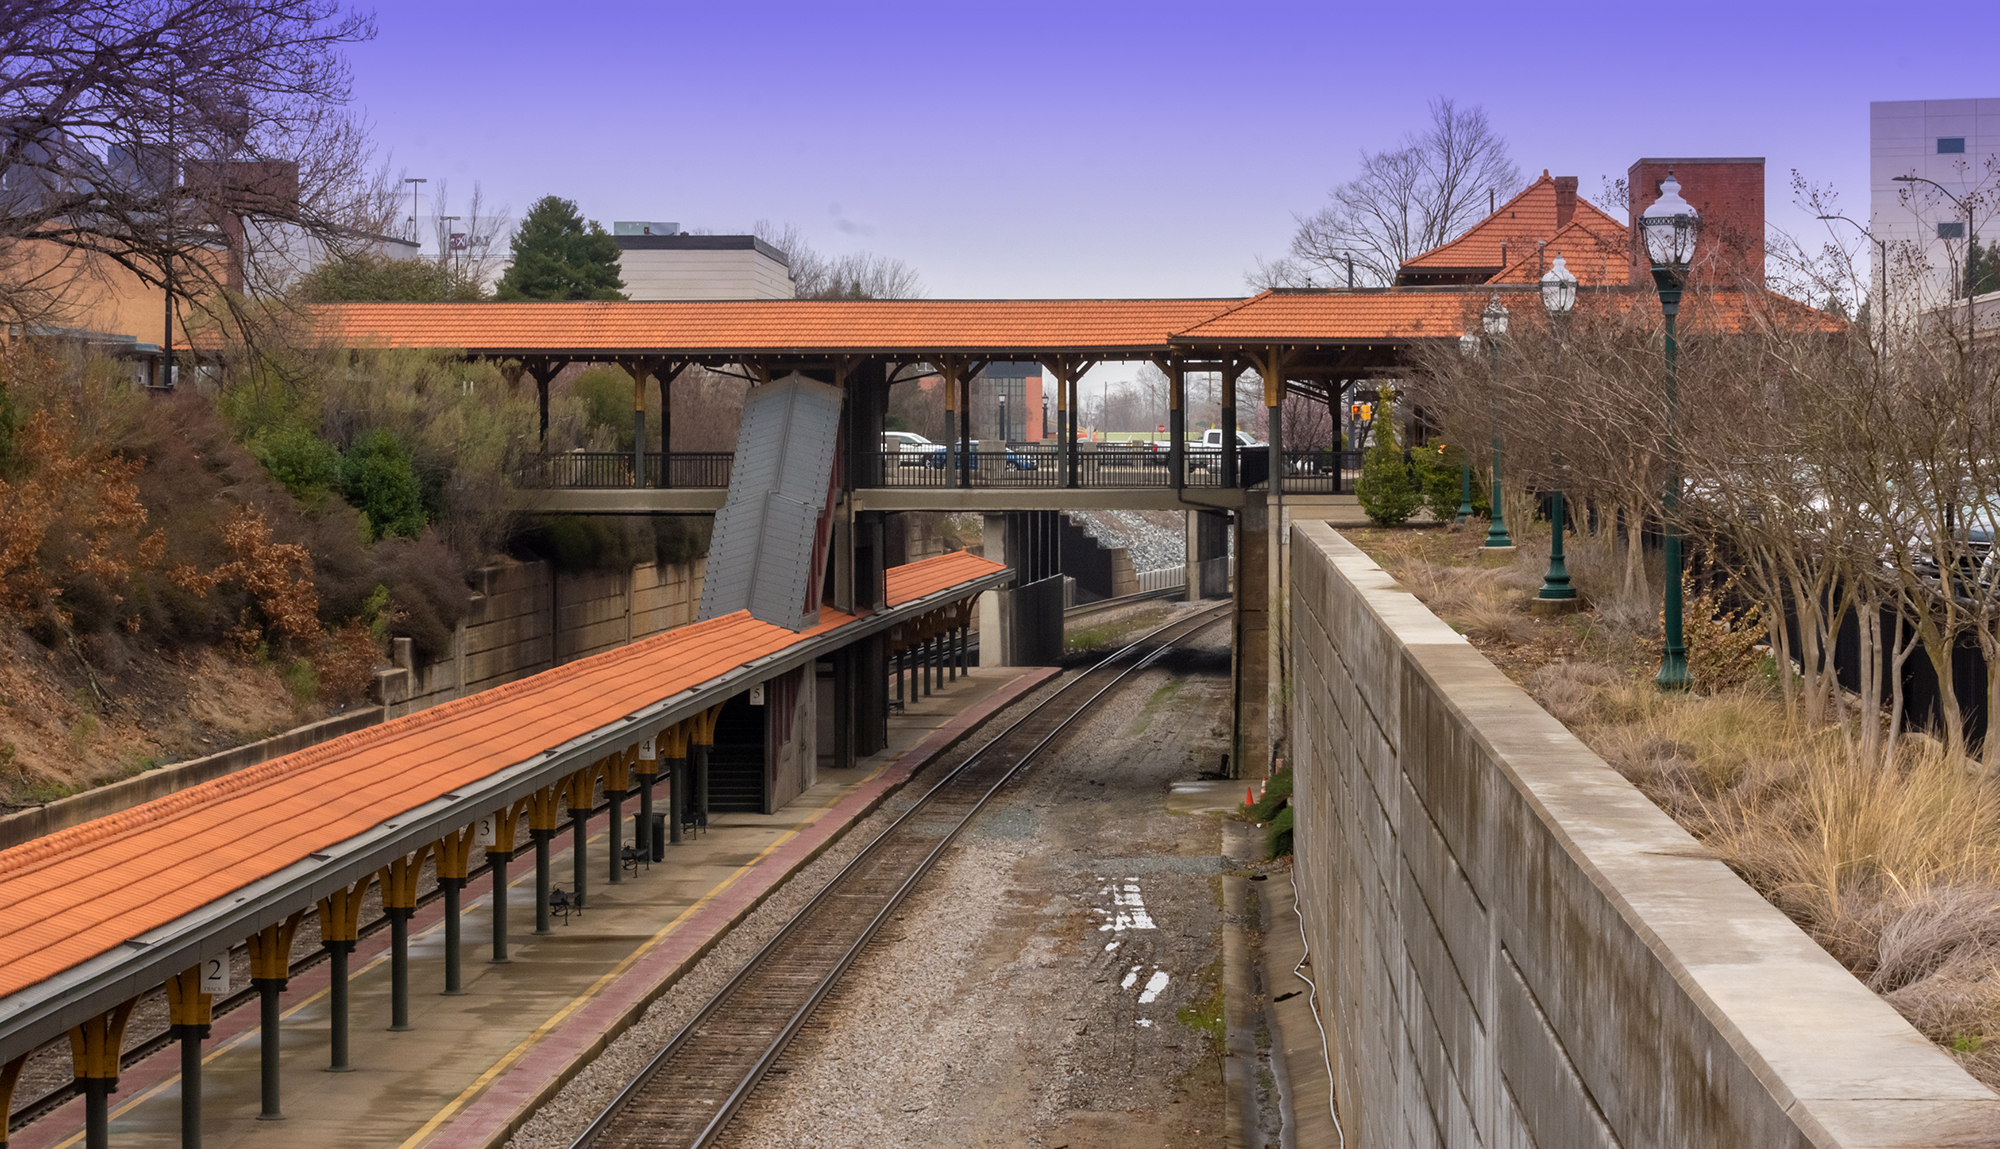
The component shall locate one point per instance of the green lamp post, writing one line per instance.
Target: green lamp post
(1494, 321)
(1671, 227)
(1468, 345)
(1559, 298)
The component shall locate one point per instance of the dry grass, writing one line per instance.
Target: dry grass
(1896, 872)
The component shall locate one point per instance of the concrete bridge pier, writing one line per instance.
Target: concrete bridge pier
(1253, 652)
(1207, 555)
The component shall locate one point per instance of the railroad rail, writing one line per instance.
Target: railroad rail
(692, 1088)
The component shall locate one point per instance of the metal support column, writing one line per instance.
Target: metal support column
(579, 827)
(615, 854)
(268, 1026)
(96, 1112)
(496, 861)
(189, 1014)
(544, 877)
(642, 827)
(190, 1037)
(676, 798)
(338, 951)
(701, 785)
(399, 967)
(454, 925)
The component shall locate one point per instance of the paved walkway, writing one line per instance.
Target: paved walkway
(472, 1067)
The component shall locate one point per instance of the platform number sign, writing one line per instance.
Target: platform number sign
(215, 976)
(757, 695)
(649, 749)
(487, 832)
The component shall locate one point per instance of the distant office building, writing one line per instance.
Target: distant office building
(681, 266)
(1955, 143)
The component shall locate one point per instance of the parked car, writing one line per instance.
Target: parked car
(1207, 452)
(914, 450)
(940, 456)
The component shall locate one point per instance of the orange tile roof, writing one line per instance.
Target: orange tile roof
(912, 581)
(1596, 260)
(1400, 315)
(1521, 221)
(1339, 317)
(771, 326)
(75, 894)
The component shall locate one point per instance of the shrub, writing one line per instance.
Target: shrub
(379, 479)
(1387, 491)
(607, 402)
(1440, 470)
(306, 464)
(345, 662)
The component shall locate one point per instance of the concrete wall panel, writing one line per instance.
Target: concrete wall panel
(1513, 946)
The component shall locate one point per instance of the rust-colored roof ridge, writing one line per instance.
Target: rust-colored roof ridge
(24, 857)
(1223, 314)
(630, 303)
(1550, 245)
(1471, 232)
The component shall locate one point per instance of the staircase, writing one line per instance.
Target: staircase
(736, 763)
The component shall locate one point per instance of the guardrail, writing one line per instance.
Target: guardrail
(612, 470)
(1098, 466)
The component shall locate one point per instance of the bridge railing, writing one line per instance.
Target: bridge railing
(1306, 472)
(612, 470)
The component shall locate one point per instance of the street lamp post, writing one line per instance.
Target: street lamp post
(1960, 205)
(1881, 249)
(1559, 298)
(1671, 229)
(444, 238)
(413, 182)
(1468, 346)
(1494, 321)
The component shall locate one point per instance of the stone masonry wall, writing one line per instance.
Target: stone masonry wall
(1513, 947)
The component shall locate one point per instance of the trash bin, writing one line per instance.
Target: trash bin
(659, 838)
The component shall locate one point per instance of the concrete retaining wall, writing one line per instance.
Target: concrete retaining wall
(524, 618)
(116, 796)
(1514, 947)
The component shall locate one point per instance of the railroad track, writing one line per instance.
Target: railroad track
(687, 1094)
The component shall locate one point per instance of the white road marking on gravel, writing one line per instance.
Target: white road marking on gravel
(1112, 946)
(1145, 1021)
(1131, 913)
(1154, 985)
(1131, 978)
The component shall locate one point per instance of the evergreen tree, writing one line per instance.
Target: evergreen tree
(1387, 490)
(557, 255)
(1982, 268)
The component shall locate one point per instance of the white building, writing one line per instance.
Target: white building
(685, 266)
(1955, 143)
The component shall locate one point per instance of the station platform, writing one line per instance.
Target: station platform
(471, 1068)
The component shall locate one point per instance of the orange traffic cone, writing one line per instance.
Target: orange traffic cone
(1249, 799)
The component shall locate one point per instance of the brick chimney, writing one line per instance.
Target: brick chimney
(1565, 200)
(1729, 195)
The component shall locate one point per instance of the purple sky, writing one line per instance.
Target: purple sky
(1077, 149)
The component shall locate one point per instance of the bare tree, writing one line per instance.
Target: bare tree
(1407, 200)
(172, 138)
(858, 275)
(469, 245)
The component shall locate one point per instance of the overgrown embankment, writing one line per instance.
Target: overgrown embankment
(183, 573)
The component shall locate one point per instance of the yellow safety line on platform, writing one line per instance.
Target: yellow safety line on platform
(485, 1079)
